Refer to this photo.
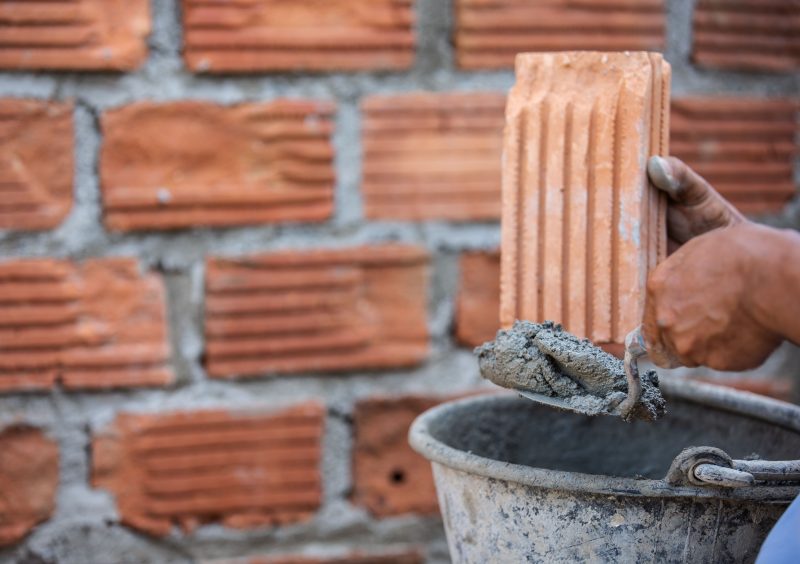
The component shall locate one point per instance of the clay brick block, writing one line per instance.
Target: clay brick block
(98, 324)
(36, 162)
(743, 147)
(754, 35)
(323, 310)
(478, 300)
(89, 35)
(287, 35)
(410, 557)
(189, 468)
(187, 164)
(28, 481)
(433, 156)
(489, 33)
(581, 225)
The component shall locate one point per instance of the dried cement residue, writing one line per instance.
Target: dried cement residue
(546, 359)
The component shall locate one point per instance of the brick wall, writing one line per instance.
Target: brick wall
(244, 244)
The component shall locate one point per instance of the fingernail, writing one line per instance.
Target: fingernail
(661, 173)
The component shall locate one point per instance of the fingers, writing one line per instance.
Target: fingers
(659, 349)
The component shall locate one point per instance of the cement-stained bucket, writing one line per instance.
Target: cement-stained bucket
(520, 482)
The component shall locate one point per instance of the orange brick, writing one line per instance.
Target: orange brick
(581, 226)
(287, 35)
(433, 156)
(324, 310)
(744, 147)
(411, 557)
(74, 34)
(756, 35)
(189, 468)
(28, 481)
(478, 301)
(36, 162)
(186, 164)
(489, 33)
(99, 324)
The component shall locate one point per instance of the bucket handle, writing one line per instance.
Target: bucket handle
(709, 466)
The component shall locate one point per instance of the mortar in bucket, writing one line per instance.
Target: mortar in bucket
(520, 482)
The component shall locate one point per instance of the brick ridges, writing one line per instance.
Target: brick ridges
(433, 156)
(743, 147)
(189, 468)
(478, 300)
(73, 34)
(489, 33)
(186, 164)
(36, 162)
(319, 310)
(758, 35)
(279, 35)
(98, 324)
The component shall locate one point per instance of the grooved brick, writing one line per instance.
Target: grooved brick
(287, 35)
(36, 162)
(406, 557)
(97, 324)
(744, 147)
(28, 481)
(581, 225)
(187, 164)
(320, 310)
(489, 33)
(433, 156)
(88, 35)
(242, 469)
(478, 301)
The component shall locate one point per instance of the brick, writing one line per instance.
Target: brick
(28, 481)
(478, 300)
(36, 162)
(743, 146)
(188, 164)
(98, 324)
(581, 225)
(749, 35)
(408, 557)
(241, 469)
(318, 310)
(286, 35)
(80, 35)
(433, 156)
(489, 33)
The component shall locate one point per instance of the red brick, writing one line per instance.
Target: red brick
(745, 147)
(36, 162)
(322, 310)
(242, 469)
(98, 324)
(187, 164)
(778, 388)
(478, 301)
(411, 557)
(433, 156)
(581, 226)
(489, 33)
(74, 34)
(754, 35)
(281, 35)
(28, 481)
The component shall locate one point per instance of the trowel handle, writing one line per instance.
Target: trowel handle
(634, 348)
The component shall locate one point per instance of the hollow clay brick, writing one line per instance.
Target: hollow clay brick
(97, 324)
(187, 164)
(36, 162)
(581, 225)
(406, 557)
(28, 481)
(89, 35)
(489, 33)
(288, 35)
(478, 300)
(433, 156)
(744, 147)
(189, 468)
(750, 35)
(319, 310)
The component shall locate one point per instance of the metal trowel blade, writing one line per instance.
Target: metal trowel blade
(560, 403)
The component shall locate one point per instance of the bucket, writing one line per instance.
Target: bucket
(521, 482)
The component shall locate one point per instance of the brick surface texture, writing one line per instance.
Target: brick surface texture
(188, 468)
(315, 35)
(478, 300)
(91, 325)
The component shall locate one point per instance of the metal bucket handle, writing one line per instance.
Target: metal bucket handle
(709, 466)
